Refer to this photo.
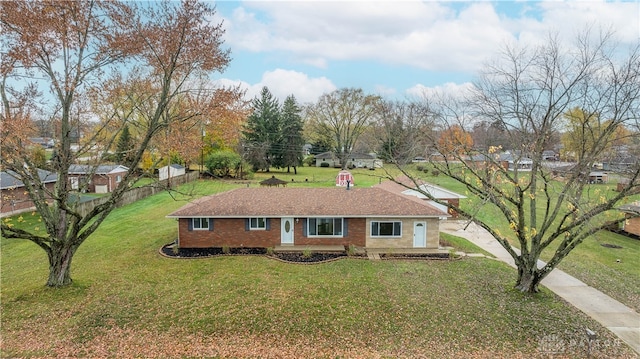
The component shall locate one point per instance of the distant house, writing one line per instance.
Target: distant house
(508, 161)
(598, 177)
(13, 195)
(355, 160)
(511, 162)
(549, 155)
(171, 171)
(437, 192)
(620, 163)
(98, 179)
(42, 141)
(269, 217)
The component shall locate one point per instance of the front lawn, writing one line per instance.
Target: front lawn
(592, 263)
(128, 301)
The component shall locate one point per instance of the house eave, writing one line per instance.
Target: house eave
(437, 216)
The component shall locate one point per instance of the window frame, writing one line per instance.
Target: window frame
(257, 221)
(200, 221)
(392, 235)
(315, 223)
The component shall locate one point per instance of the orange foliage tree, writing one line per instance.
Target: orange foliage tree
(219, 115)
(150, 54)
(454, 141)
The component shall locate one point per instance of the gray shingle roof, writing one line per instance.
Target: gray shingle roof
(437, 192)
(101, 169)
(357, 155)
(9, 179)
(307, 202)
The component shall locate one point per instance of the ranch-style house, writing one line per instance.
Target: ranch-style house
(276, 216)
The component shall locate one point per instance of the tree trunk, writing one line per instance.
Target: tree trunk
(528, 280)
(60, 257)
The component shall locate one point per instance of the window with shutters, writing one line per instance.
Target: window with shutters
(325, 227)
(259, 223)
(201, 224)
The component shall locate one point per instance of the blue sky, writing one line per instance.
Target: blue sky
(397, 49)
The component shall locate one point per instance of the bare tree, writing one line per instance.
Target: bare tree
(84, 52)
(527, 92)
(344, 114)
(403, 130)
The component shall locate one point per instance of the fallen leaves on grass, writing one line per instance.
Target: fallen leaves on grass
(127, 343)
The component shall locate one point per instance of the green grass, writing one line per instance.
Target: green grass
(127, 300)
(320, 176)
(590, 262)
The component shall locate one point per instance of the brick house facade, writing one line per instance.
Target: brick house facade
(269, 217)
(13, 195)
(98, 179)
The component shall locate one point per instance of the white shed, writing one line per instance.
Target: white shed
(171, 171)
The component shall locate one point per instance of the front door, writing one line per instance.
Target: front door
(286, 230)
(419, 234)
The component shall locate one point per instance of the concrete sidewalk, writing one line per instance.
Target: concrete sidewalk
(613, 315)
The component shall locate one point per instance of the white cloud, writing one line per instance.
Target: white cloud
(438, 36)
(569, 17)
(283, 83)
(313, 32)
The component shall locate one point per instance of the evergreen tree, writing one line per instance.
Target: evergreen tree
(262, 133)
(125, 146)
(292, 140)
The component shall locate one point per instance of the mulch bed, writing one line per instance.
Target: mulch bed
(169, 251)
(415, 256)
(294, 257)
(290, 257)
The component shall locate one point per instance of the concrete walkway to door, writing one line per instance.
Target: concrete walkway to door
(613, 315)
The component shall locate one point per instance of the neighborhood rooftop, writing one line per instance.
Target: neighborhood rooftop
(302, 202)
(10, 179)
(405, 185)
(100, 169)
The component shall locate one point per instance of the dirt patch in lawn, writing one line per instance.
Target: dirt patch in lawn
(609, 245)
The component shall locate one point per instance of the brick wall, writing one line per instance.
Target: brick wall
(231, 232)
(356, 235)
(16, 200)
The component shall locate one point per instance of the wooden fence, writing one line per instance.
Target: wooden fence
(136, 194)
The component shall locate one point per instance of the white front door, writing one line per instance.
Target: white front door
(419, 234)
(286, 230)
